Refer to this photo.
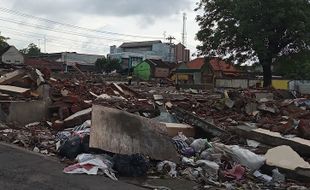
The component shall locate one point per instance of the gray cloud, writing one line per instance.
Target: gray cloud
(143, 8)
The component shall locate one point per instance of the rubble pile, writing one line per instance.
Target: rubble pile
(250, 139)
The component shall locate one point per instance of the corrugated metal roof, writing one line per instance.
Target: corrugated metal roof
(139, 44)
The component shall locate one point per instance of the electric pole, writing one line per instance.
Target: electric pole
(170, 38)
(184, 29)
(45, 44)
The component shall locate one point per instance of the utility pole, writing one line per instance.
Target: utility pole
(39, 43)
(164, 34)
(45, 44)
(184, 29)
(66, 62)
(170, 38)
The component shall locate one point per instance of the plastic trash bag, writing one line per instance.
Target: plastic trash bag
(167, 165)
(210, 168)
(199, 145)
(242, 156)
(74, 146)
(130, 165)
(91, 165)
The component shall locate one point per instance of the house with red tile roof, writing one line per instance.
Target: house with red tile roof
(203, 70)
(40, 63)
(221, 68)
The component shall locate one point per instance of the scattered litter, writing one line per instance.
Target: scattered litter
(167, 167)
(91, 166)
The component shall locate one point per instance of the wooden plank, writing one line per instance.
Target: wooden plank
(196, 121)
(11, 77)
(174, 128)
(13, 89)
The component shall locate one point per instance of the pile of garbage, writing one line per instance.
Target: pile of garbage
(250, 139)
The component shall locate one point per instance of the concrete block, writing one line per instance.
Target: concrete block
(124, 133)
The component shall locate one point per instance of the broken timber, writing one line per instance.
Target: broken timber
(13, 89)
(197, 122)
(11, 77)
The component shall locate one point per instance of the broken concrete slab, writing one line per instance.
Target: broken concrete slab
(78, 118)
(302, 146)
(124, 133)
(288, 161)
(229, 103)
(285, 157)
(158, 97)
(264, 96)
(264, 107)
(25, 112)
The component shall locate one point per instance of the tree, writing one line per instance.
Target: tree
(259, 30)
(296, 66)
(3, 43)
(108, 65)
(31, 50)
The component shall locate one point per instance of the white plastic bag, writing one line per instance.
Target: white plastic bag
(243, 156)
(172, 172)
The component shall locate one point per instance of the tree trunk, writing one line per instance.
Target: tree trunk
(267, 74)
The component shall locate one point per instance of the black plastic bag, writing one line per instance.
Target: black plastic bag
(130, 165)
(74, 146)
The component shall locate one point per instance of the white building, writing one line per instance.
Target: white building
(11, 55)
(132, 53)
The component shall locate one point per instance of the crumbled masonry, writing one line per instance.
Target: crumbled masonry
(221, 138)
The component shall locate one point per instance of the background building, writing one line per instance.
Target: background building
(11, 55)
(86, 62)
(132, 53)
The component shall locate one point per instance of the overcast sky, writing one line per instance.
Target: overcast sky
(146, 18)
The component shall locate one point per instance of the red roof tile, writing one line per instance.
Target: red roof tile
(220, 65)
(42, 63)
(216, 65)
(196, 63)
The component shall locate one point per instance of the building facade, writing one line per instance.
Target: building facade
(182, 55)
(132, 53)
(85, 62)
(151, 68)
(11, 55)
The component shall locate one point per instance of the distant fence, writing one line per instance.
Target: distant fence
(301, 86)
(195, 86)
(235, 83)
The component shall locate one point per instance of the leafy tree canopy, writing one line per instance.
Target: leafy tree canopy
(31, 50)
(3, 43)
(108, 65)
(295, 66)
(254, 30)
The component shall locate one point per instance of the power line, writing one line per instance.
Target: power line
(10, 11)
(67, 45)
(54, 38)
(58, 31)
(59, 45)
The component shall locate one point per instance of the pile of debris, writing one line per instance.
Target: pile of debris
(251, 139)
